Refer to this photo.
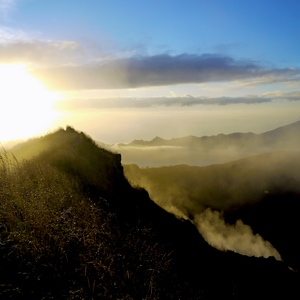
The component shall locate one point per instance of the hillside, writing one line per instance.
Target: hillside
(72, 227)
(206, 150)
(263, 191)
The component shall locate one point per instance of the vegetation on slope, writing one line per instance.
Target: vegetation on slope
(56, 241)
(71, 227)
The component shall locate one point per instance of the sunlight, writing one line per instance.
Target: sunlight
(26, 107)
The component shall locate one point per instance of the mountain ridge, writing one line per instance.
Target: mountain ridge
(206, 150)
(274, 133)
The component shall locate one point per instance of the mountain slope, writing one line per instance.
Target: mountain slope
(72, 227)
(285, 137)
(263, 191)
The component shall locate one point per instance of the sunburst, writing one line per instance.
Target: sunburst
(26, 107)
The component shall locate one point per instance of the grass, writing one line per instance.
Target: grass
(63, 244)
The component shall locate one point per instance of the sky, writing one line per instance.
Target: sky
(124, 70)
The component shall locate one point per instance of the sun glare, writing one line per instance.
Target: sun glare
(26, 107)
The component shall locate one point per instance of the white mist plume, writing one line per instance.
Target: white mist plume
(238, 237)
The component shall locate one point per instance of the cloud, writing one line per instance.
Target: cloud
(161, 70)
(32, 49)
(237, 237)
(291, 96)
(187, 100)
(9, 35)
(38, 52)
(69, 65)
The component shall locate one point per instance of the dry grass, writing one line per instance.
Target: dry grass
(39, 205)
(57, 234)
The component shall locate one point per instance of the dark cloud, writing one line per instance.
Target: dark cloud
(160, 70)
(293, 96)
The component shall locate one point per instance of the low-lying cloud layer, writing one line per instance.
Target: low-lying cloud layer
(187, 100)
(237, 237)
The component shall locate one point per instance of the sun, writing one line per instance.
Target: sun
(26, 107)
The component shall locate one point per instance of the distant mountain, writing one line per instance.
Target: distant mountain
(208, 150)
(287, 132)
(157, 141)
(283, 137)
(193, 141)
(72, 227)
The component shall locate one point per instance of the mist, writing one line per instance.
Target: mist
(224, 187)
(202, 194)
(246, 205)
(237, 237)
(157, 156)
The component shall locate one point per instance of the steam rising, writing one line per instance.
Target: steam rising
(238, 237)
